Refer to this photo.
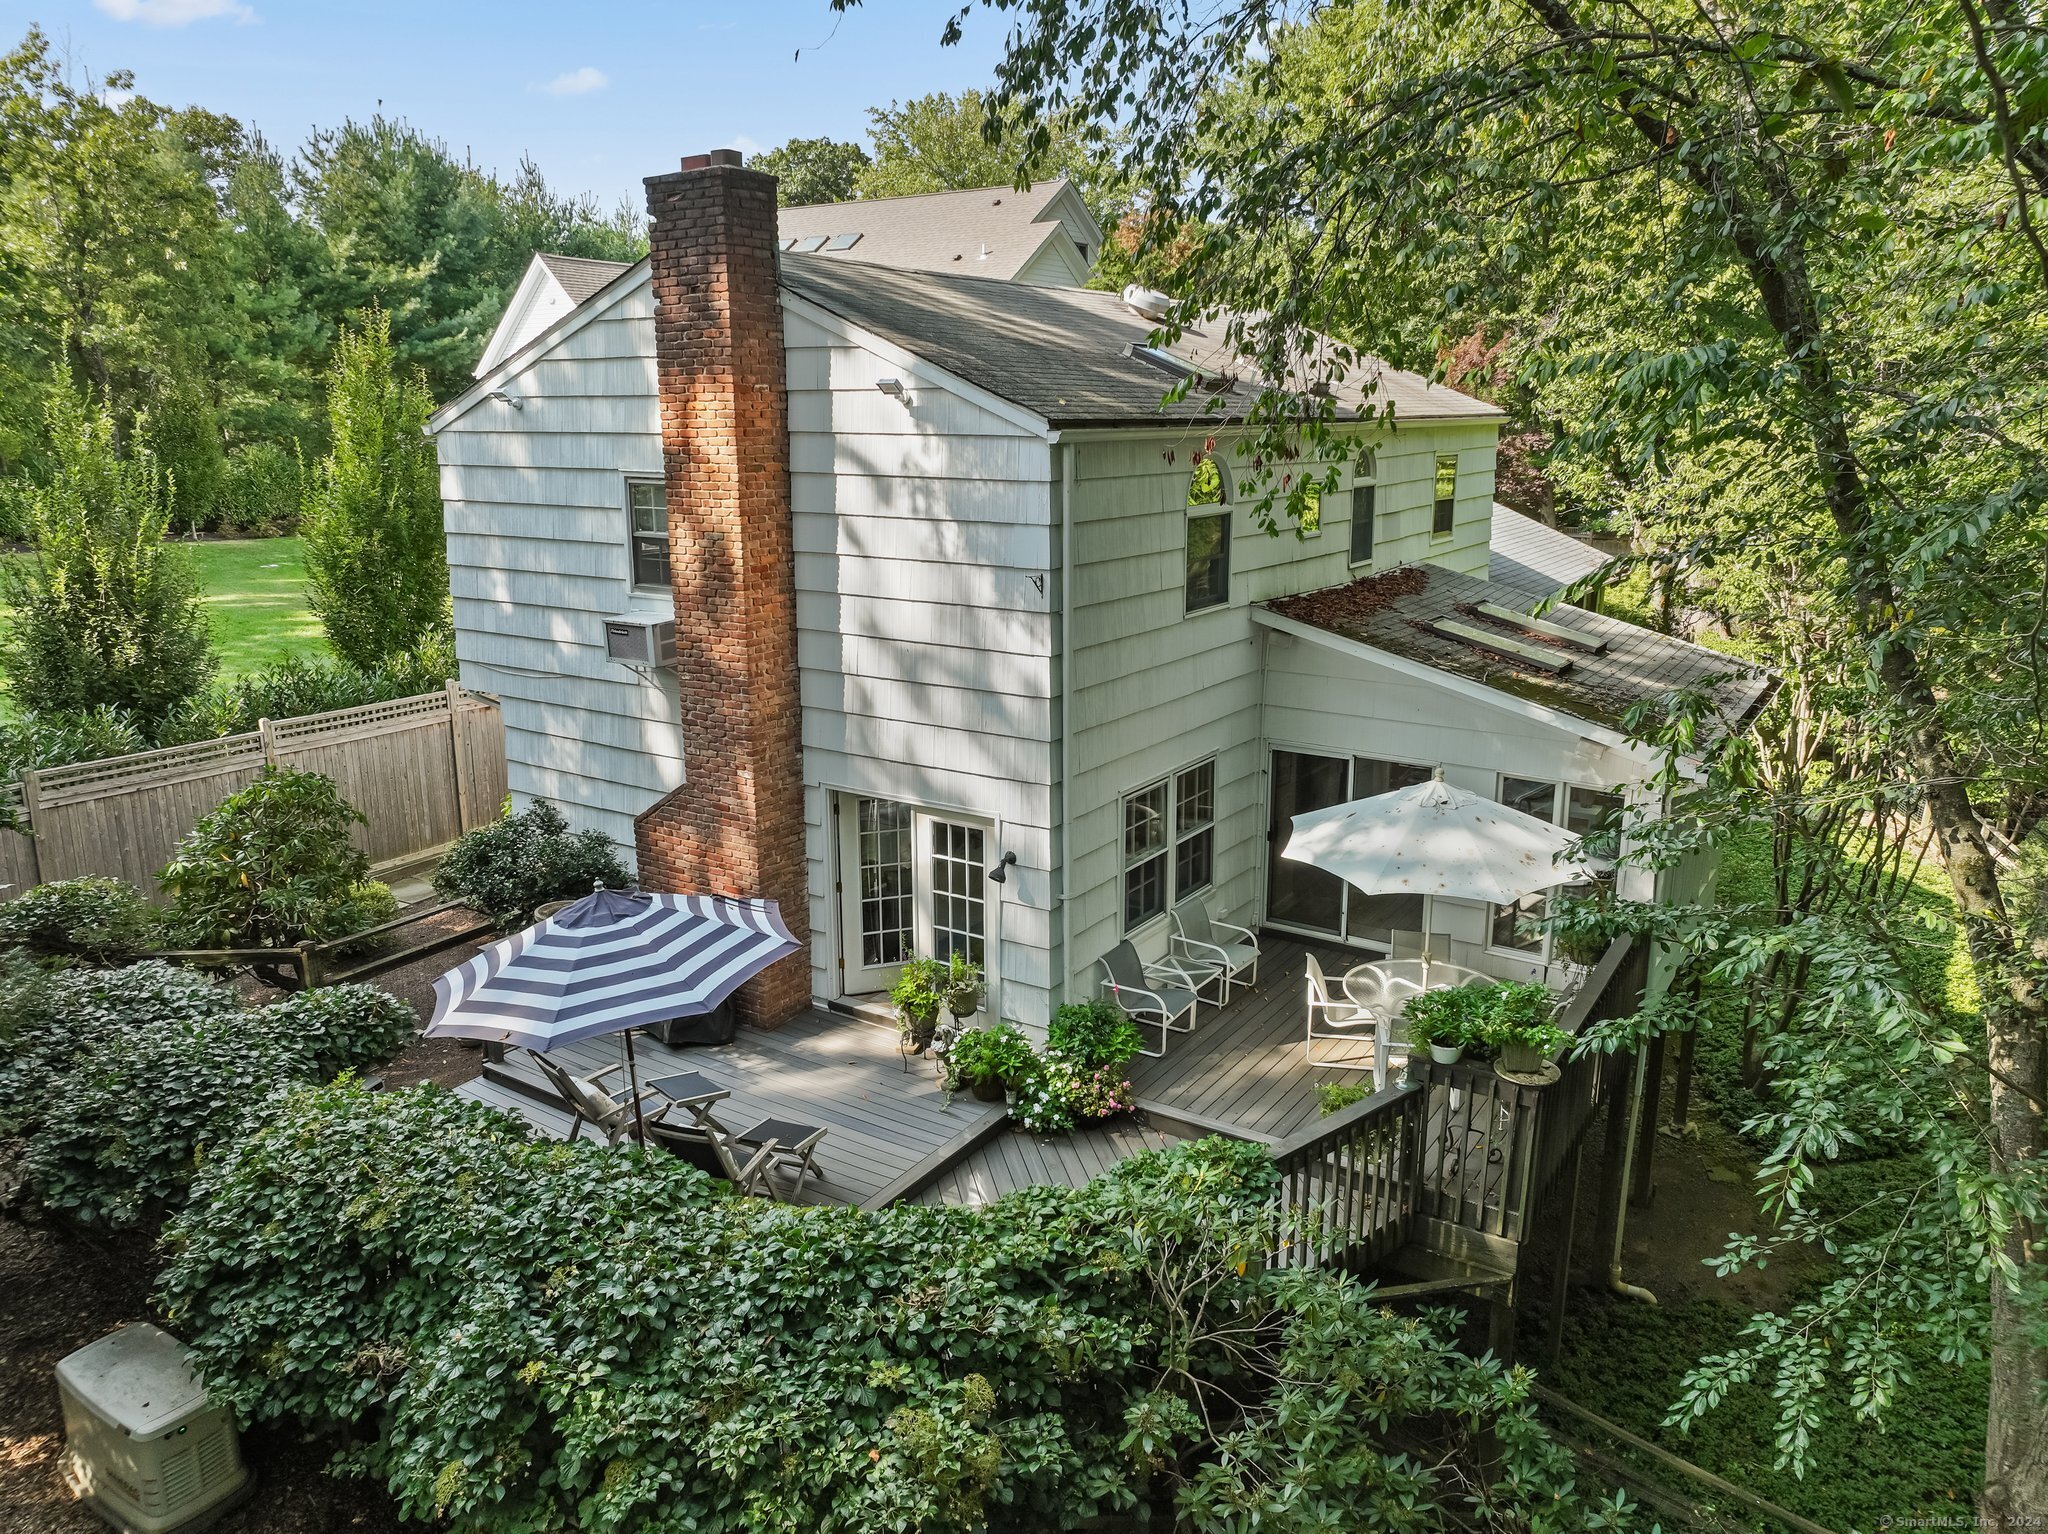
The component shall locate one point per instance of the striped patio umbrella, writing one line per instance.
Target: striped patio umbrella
(611, 962)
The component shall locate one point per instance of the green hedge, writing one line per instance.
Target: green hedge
(93, 920)
(121, 1081)
(523, 1336)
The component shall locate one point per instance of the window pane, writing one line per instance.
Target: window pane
(958, 906)
(1295, 892)
(1145, 821)
(1208, 561)
(1444, 515)
(1193, 862)
(1363, 499)
(650, 561)
(649, 500)
(1312, 510)
(1194, 795)
(1144, 891)
(886, 892)
(1515, 927)
(1370, 777)
(1532, 796)
(1376, 918)
(1205, 485)
(1590, 812)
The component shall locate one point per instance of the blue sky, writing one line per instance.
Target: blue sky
(600, 94)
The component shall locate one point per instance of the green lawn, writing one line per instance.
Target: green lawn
(256, 598)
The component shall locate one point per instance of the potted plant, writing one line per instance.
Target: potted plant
(962, 986)
(1436, 1022)
(918, 998)
(986, 1060)
(1521, 1028)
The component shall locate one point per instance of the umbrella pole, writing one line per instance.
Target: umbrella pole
(1428, 921)
(633, 1081)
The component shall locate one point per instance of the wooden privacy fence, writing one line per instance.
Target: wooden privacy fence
(422, 769)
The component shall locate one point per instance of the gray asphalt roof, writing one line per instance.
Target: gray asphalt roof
(1061, 352)
(1393, 611)
(581, 276)
(1535, 559)
(990, 231)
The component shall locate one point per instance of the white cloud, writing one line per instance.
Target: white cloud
(175, 13)
(577, 82)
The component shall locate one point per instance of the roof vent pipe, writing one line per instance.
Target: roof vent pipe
(1148, 302)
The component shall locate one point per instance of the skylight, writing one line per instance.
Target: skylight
(1161, 359)
(843, 242)
(790, 243)
(1500, 644)
(809, 243)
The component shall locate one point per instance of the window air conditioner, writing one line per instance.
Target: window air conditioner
(640, 640)
(144, 1448)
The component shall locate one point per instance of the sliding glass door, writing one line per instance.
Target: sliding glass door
(1307, 898)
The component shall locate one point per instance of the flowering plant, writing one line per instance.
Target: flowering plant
(1062, 1092)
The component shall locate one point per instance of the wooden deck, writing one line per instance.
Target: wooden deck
(886, 1126)
(1012, 1159)
(1243, 1067)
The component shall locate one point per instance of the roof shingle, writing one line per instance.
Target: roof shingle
(1394, 612)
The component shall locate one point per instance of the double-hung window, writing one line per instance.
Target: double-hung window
(1364, 510)
(647, 514)
(1591, 813)
(1169, 842)
(1443, 516)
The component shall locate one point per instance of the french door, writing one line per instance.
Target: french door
(911, 882)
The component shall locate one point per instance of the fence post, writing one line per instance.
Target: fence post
(269, 740)
(309, 966)
(456, 754)
(32, 805)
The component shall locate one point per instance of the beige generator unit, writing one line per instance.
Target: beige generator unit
(144, 1448)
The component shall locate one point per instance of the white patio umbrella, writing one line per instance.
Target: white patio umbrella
(609, 963)
(1433, 840)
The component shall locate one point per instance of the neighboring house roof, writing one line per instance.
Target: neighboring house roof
(1070, 355)
(580, 276)
(1535, 559)
(1395, 612)
(990, 231)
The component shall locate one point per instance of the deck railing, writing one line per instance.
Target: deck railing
(1455, 1156)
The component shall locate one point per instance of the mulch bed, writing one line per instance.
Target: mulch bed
(64, 1289)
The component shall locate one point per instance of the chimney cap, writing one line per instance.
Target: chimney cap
(715, 157)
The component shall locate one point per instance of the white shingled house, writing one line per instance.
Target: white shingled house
(952, 594)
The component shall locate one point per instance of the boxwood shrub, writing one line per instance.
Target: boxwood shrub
(91, 920)
(522, 1336)
(517, 863)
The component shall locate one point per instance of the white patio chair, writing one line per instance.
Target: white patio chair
(1335, 1019)
(591, 1102)
(1159, 997)
(1232, 951)
(1382, 990)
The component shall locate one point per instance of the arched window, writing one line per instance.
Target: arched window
(1206, 486)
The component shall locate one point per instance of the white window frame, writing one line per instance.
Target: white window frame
(634, 535)
(1168, 850)
(1436, 468)
(1367, 480)
(1560, 816)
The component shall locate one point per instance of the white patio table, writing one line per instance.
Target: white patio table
(1380, 987)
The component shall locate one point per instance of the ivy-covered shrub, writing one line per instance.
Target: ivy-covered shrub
(53, 1021)
(95, 920)
(528, 1336)
(339, 1027)
(520, 862)
(129, 1123)
(273, 865)
(120, 1081)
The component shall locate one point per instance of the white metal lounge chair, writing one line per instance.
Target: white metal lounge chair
(1338, 1019)
(591, 1102)
(1230, 950)
(1159, 997)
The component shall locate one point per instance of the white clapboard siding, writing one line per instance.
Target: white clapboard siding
(923, 530)
(534, 502)
(1158, 689)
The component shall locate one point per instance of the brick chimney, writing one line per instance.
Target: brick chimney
(736, 826)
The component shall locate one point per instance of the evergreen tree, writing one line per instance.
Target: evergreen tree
(376, 566)
(105, 610)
